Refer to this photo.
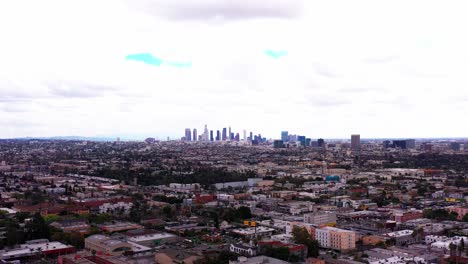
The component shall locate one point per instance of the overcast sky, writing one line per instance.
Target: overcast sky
(154, 67)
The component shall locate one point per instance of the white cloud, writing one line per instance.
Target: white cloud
(383, 70)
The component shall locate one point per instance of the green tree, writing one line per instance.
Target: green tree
(37, 228)
(244, 212)
(167, 210)
(301, 236)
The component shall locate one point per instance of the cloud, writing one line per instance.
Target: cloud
(78, 89)
(382, 59)
(148, 58)
(276, 54)
(219, 9)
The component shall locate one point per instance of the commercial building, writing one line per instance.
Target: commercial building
(224, 136)
(119, 227)
(252, 232)
(355, 142)
(36, 249)
(320, 218)
(153, 239)
(188, 134)
(284, 136)
(195, 136)
(105, 245)
(278, 144)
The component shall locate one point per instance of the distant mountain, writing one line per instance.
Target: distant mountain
(79, 138)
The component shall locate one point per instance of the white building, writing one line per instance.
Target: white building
(109, 207)
(323, 237)
(320, 218)
(444, 242)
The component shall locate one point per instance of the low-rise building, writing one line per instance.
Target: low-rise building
(320, 218)
(243, 250)
(36, 249)
(252, 232)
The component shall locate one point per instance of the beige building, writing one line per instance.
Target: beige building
(336, 238)
(107, 245)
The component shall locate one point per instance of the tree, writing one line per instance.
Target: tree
(37, 228)
(244, 212)
(452, 248)
(167, 210)
(461, 247)
(301, 236)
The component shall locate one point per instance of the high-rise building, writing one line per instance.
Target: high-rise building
(218, 135)
(206, 135)
(356, 142)
(211, 135)
(278, 144)
(188, 134)
(195, 137)
(404, 144)
(302, 139)
(237, 137)
(321, 143)
(245, 135)
(284, 136)
(230, 134)
(224, 134)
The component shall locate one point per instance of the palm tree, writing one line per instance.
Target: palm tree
(452, 248)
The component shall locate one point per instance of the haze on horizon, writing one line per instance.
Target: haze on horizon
(383, 69)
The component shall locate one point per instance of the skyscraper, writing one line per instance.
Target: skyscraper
(245, 135)
(224, 134)
(251, 136)
(302, 139)
(284, 136)
(356, 142)
(218, 135)
(188, 134)
(195, 137)
(211, 135)
(229, 135)
(321, 143)
(206, 134)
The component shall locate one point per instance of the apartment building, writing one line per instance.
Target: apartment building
(336, 238)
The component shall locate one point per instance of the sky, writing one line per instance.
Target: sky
(325, 68)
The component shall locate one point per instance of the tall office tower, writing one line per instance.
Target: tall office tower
(224, 134)
(188, 134)
(237, 137)
(251, 136)
(302, 139)
(410, 143)
(320, 143)
(386, 144)
(284, 136)
(229, 135)
(218, 135)
(195, 134)
(211, 135)
(356, 142)
(206, 135)
(245, 135)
